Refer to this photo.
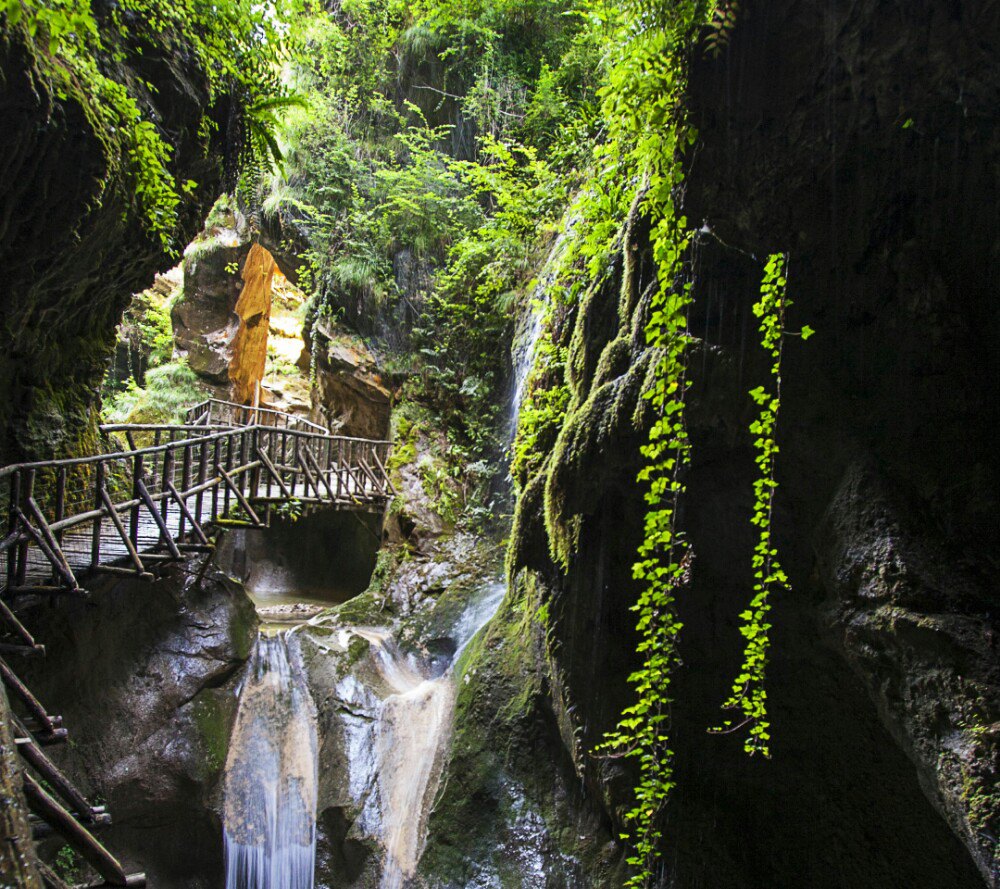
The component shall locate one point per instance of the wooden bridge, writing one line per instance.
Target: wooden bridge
(157, 500)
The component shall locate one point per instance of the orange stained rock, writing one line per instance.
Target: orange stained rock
(249, 347)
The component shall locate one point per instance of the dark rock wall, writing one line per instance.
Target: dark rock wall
(144, 677)
(72, 244)
(862, 138)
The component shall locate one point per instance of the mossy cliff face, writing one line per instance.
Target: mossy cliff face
(883, 688)
(72, 243)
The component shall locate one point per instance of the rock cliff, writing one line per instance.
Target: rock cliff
(862, 141)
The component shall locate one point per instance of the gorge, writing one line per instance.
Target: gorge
(514, 345)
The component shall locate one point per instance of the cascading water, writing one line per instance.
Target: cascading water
(524, 354)
(409, 737)
(271, 776)
(413, 731)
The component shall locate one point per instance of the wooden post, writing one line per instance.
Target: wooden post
(202, 472)
(340, 467)
(12, 526)
(24, 695)
(46, 542)
(165, 536)
(267, 453)
(53, 775)
(250, 440)
(18, 863)
(120, 528)
(76, 835)
(228, 464)
(247, 508)
(185, 484)
(22, 550)
(180, 499)
(168, 471)
(60, 513)
(284, 457)
(95, 545)
(272, 472)
(216, 471)
(137, 466)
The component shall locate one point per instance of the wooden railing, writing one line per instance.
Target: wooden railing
(149, 504)
(214, 411)
(155, 501)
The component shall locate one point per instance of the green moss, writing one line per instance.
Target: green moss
(366, 609)
(212, 711)
(499, 793)
(170, 390)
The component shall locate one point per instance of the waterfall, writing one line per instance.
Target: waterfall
(524, 358)
(269, 812)
(401, 756)
(413, 731)
(524, 352)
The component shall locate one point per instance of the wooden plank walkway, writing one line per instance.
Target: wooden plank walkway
(128, 512)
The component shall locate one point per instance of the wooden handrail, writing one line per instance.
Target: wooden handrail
(204, 409)
(223, 432)
(148, 504)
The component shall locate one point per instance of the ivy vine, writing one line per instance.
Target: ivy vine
(649, 131)
(749, 693)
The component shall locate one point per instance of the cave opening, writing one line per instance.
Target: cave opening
(322, 559)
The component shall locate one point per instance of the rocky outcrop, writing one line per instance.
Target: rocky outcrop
(74, 252)
(349, 394)
(916, 624)
(144, 678)
(204, 318)
(428, 498)
(421, 607)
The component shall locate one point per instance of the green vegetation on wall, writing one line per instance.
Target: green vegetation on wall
(238, 45)
(443, 140)
(749, 694)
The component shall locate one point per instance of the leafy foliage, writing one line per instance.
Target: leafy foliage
(647, 131)
(749, 694)
(238, 44)
(169, 391)
(412, 213)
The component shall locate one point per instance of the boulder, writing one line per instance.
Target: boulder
(144, 676)
(349, 395)
(204, 316)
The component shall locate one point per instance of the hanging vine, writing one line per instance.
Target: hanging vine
(649, 132)
(749, 693)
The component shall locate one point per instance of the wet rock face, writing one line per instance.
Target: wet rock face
(377, 667)
(916, 625)
(74, 252)
(144, 678)
(805, 144)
